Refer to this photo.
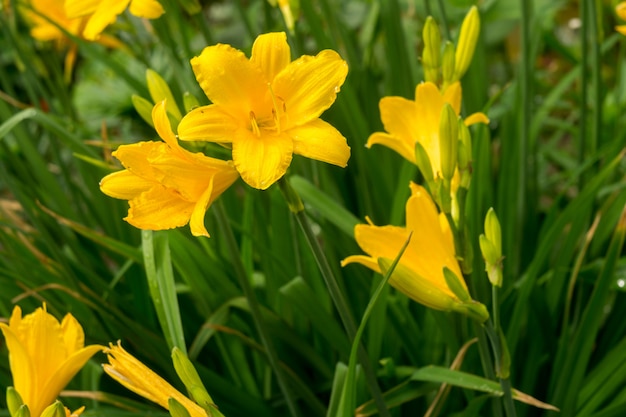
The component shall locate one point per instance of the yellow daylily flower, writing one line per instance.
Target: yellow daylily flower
(166, 185)
(137, 377)
(101, 13)
(419, 273)
(268, 107)
(620, 10)
(44, 355)
(407, 122)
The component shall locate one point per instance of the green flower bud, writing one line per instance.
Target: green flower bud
(448, 64)
(448, 141)
(143, 107)
(23, 411)
(176, 409)
(491, 248)
(159, 91)
(431, 56)
(455, 285)
(467, 42)
(55, 409)
(423, 162)
(188, 374)
(14, 401)
(190, 101)
(493, 231)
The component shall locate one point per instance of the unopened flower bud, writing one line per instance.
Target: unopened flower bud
(431, 56)
(55, 409)
(448, 141)
(188, 374)
(448, 64)
(176, 409)
(143, 107)
(14, 401)
(159, 91)
(491, 248)
(467, 42)
(190, 101)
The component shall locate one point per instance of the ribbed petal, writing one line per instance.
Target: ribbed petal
(196, 222)
(135, 157)
(320, 140)
(137, 377)
(381, 241)
(162, 124)
(271, 53)
(105, 14)
(429, 103)
(77, 8)
(159, 209)
(399, 117)
(189, 179)
(124, 185)
(392, 142)
(208, 123)
(230, 80)
(309, 85)
(73, 334)
(147, 9)
(261, 161)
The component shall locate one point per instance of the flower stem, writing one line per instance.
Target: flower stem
(297, 208)
(505, 383)
(255, 310)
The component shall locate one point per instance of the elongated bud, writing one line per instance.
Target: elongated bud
(423, 162)
(190, 101)
(491, 248)
(455, 285)
(176, 409)
(188, 374)
(448, 64)
(448, 141)
(143, 107)
(287, 12)
(55, 409)
(23, 411)
(467, 42)
(431, 56)
(14, 401)
(465, 155)
(159, 91)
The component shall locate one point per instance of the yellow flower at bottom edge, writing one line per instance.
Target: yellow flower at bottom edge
(268, 107)
(137, 377)
(166, 185)
(419, 273)
(44, 355)
(407, 122)
(620, 10)
(101, 13)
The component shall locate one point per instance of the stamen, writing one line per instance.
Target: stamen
(255, 126)
(275, 109)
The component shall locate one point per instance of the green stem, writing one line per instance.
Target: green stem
(505, 383)
(255, 310)
(296, 207)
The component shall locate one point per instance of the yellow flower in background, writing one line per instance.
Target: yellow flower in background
(419, 273)
(268, 107)
(137, 377)
(407, 122)
(101, 13)
(620, 10)
(166, 185)
(44, 355)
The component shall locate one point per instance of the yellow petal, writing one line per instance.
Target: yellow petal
(261, 160)
(230, 80)
(73, 335)
(452, 95)
(124, 185)
(182, 174)
(309, 85)
(381, 241)
(429, 102)
(196, 222)
(621, 29)
(367, 261)
(21, 364)
(271, 53)
(620, 10)
(137, 377)
(162, 124)
(209, 123)
(476, 118)
(159, 209)
(392, 142)
(135, 157)
(429, 242)
(78, 8)
(321, 141)
(147, 9)
(105, 14)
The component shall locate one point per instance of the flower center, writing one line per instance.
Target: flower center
(269, 122)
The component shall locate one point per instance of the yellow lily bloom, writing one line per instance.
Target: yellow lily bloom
(101, 13)
(137, 377)
(620, 10)
(408, 122)
(44, 355)
(419, 273)
(166, 185)
(268, 107)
